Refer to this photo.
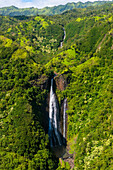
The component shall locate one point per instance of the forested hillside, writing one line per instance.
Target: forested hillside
(30, 55)
(37, 35)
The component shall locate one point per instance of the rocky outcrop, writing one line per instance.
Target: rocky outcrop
(61, 82)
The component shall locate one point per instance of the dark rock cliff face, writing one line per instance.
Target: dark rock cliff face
(44, 83)
(61, 82)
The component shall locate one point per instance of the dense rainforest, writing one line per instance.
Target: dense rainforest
(30, 55)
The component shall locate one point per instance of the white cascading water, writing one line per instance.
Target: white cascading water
(53, 118)
(61, 45)
(64, 118)
(64, 34)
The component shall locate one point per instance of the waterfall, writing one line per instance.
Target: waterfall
(64, 33)
(64, 118)
(54, 130)
(61, 44)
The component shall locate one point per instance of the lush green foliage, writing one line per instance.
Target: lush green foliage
(38, 35)
(29, 55)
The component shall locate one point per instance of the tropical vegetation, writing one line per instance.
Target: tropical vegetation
(30, 54)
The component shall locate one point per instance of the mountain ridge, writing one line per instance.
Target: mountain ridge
(15, 11)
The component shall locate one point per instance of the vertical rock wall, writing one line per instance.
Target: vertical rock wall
(61, 84)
